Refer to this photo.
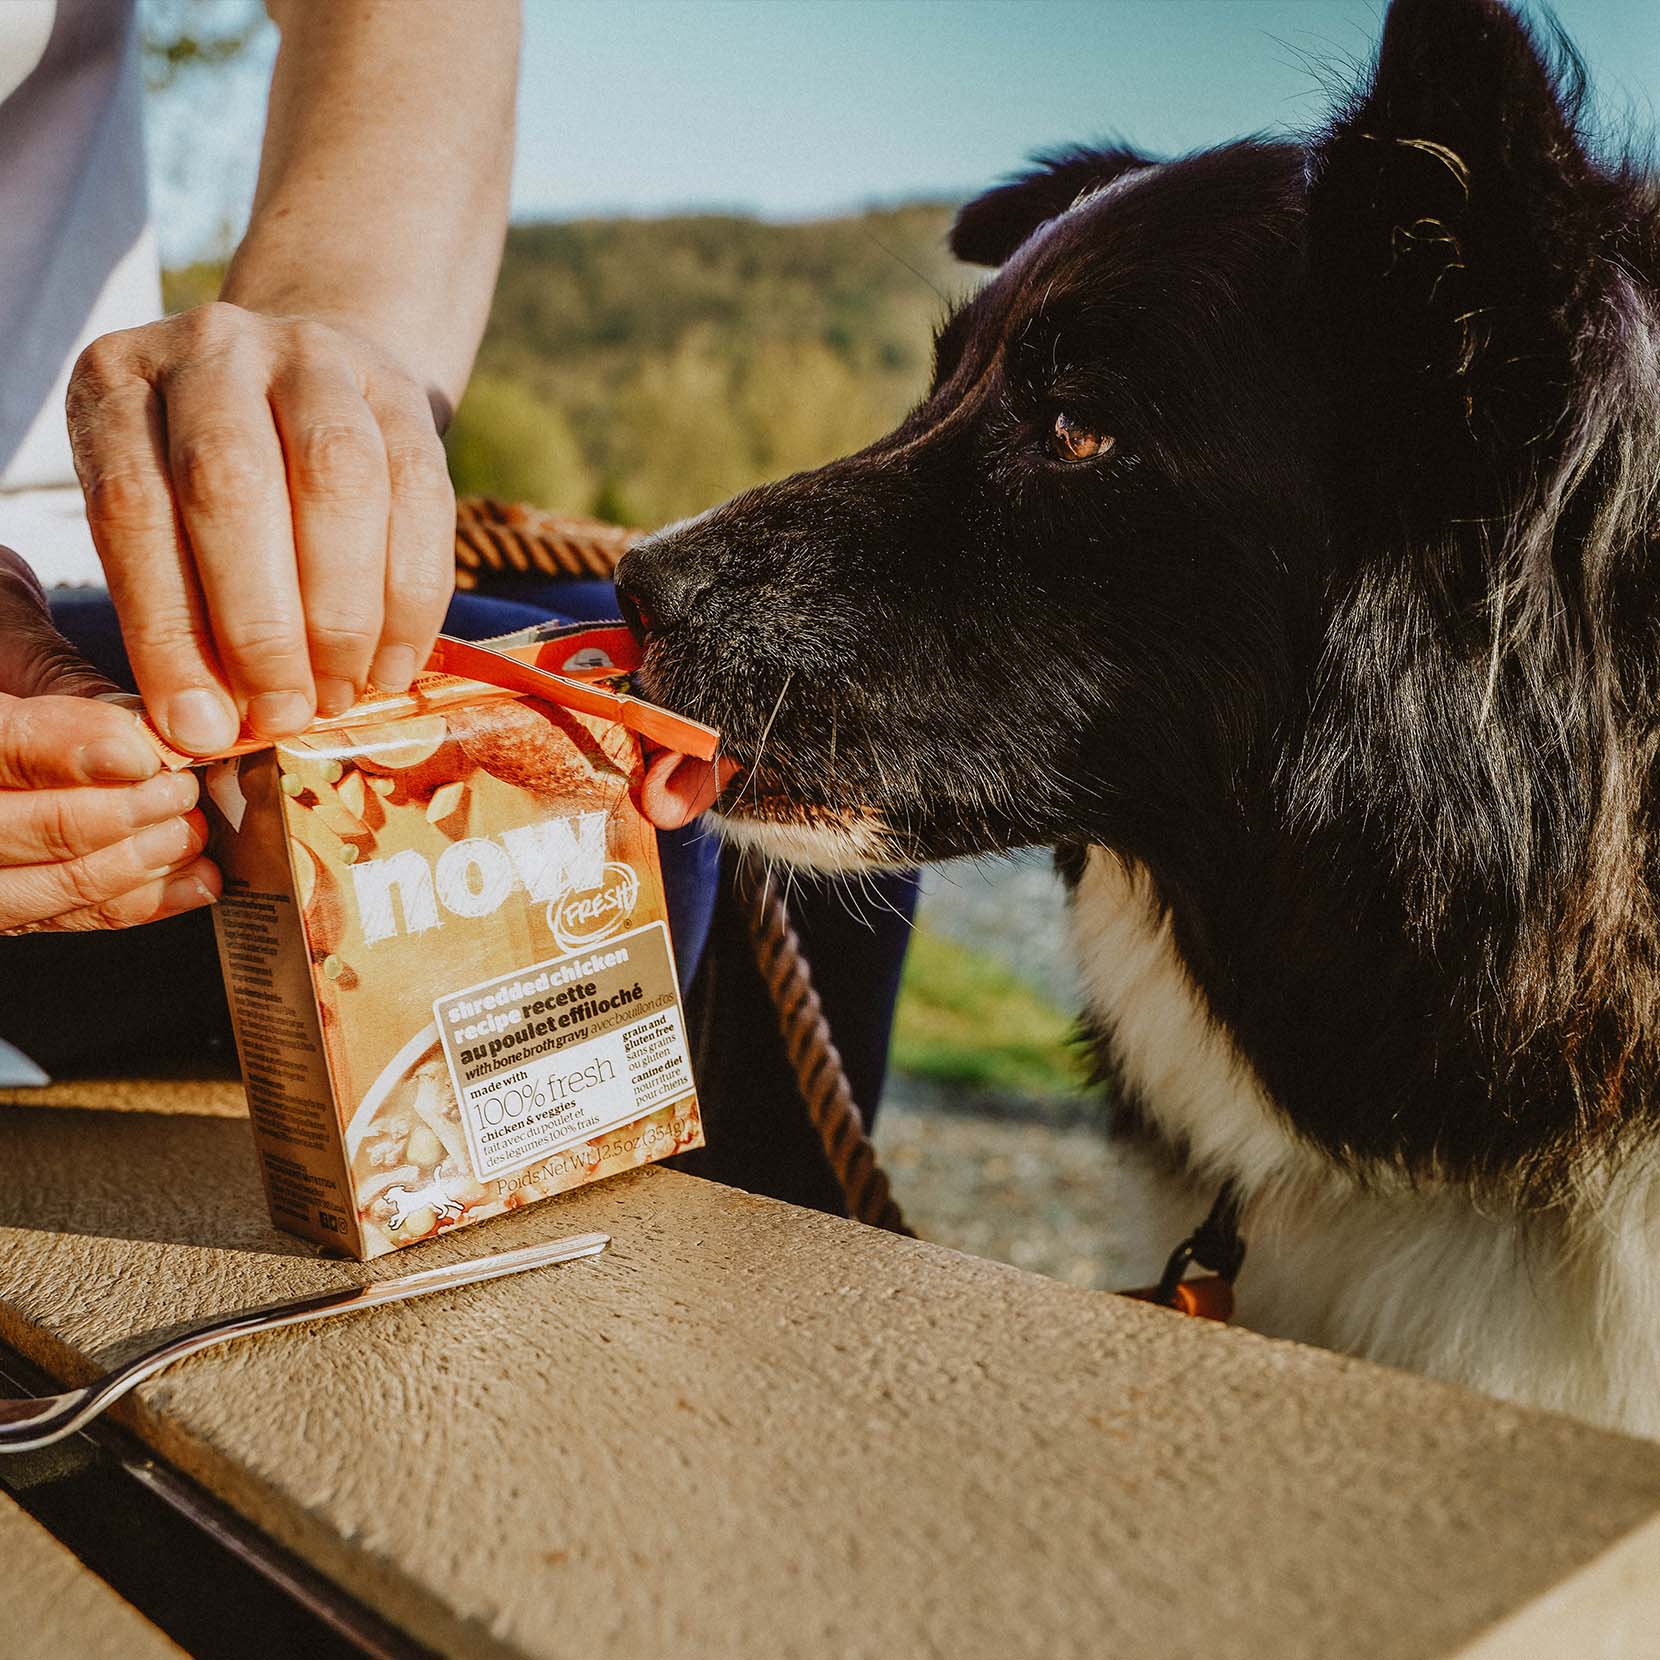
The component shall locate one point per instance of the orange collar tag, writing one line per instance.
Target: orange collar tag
(1209, 1297)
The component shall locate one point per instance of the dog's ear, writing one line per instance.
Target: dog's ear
(992, 226)
(1452, 231)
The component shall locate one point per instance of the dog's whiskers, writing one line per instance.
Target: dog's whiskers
(761, 745)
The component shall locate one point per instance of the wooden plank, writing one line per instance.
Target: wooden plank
(53, 1605)
(754, 1431)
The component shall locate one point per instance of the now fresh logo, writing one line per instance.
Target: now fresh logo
(553, 861)
(582, 916)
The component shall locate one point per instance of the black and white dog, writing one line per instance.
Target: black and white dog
(1280, 541)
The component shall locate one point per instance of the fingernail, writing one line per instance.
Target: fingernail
(199, 721)
(186, 893)
(119, 760)
(160, 846)
(393, 668)
(335, 697)
(163, 798)
(277, 714)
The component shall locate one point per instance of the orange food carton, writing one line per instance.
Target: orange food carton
(445, 946)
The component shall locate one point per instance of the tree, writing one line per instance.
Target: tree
(506, 442)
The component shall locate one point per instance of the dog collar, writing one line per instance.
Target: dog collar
(1216, 1244)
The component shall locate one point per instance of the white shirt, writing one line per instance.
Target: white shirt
(78, 253)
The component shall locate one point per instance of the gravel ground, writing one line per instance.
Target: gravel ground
(1012, 908)
(1008, 1180)
(1031, 1182)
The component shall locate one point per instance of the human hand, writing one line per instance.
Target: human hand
(270, 500)
(93, 834)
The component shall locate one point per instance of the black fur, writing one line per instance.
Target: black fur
(1353, 640)
(992, 226)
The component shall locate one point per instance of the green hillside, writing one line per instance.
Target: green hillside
(646, 368)
(668, 363)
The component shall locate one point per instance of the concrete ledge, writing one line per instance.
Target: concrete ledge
(1609, 1610)
(54, 1606)
(754, 1431)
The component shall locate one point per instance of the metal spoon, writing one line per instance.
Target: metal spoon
(43, 1419)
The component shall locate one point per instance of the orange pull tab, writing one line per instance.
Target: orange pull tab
(512, 668)
(506, 668)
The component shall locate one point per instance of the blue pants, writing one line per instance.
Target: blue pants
(160, 999)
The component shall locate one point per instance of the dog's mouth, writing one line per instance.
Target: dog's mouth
(819, 834)
(677, 788)
(755, 808)
(832, 756)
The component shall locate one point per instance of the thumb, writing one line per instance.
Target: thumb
(35, 659)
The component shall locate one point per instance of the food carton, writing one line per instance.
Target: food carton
(445, 947)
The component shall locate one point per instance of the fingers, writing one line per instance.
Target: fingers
(35, 659)
(230, 483)
(271, 502)
(78, 847)
(99, 887)
(194, 884)
(93, 834)
(18, 582)
(340, 492)
(58, 742)
(115, 429)
(56, 825)
(188, 888)
(45, 664)
(420, 566)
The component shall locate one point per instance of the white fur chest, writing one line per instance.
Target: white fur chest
(1172, 1055)
(1559, 1310)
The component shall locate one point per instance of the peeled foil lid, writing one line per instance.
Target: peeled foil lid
(460, 671)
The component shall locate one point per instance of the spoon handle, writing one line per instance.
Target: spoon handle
(324, 1305)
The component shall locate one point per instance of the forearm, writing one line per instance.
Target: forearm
(383, 182)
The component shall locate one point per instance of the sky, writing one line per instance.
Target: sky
(794, 107)
(798, 108)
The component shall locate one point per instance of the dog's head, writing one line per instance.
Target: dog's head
(1081, 590)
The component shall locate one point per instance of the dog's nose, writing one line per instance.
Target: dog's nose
(656, 587)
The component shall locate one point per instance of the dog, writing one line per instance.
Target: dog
(407, 1202)
(1279, 541)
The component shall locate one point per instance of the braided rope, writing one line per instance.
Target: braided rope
(507, 539)
(496, 538)
(813, 1055)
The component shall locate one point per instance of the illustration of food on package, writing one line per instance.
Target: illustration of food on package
(444, 942)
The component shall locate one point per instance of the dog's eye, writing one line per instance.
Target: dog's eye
(1072, 441)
